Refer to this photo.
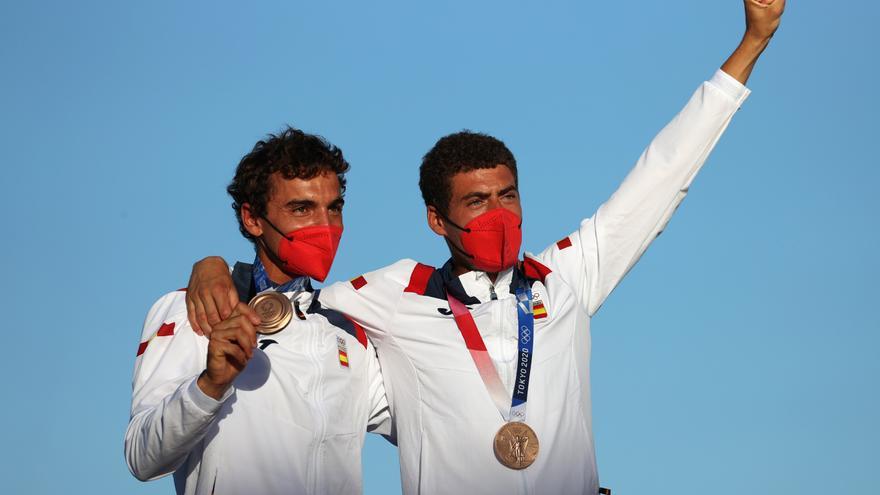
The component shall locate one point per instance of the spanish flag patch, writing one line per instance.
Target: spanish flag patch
(343, 352)
(539, 311)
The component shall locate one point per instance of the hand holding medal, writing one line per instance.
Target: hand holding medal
(230, 347)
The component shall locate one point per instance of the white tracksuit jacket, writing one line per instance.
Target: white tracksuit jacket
(444, 418)
(293, 422)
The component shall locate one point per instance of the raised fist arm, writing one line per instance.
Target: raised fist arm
(762, 17)
(762, 20)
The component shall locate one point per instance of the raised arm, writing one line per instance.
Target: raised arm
(598, 255)
(762, 21)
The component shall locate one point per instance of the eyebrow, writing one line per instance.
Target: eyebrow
(484, 195)
(507, 190)
(296, 203)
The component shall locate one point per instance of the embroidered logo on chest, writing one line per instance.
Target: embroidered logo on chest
(343, 352)
(538, 309)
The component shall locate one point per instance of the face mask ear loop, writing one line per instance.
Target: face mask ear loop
(272, 255)
(282, 234)
(445, 218)
(460, 250)
(467, 231)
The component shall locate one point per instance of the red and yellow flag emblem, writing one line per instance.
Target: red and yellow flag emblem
(539, 311)
(343, 352)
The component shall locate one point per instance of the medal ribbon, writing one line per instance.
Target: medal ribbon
(262, 282)
(477, 348)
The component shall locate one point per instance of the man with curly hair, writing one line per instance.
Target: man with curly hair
(466, 347)
(275, 403)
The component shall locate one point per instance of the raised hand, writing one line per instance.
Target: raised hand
(763, 17)
(762, 20)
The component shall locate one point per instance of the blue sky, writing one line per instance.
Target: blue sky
(739, 356)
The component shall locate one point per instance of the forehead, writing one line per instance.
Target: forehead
(481, 180)
(322, 187)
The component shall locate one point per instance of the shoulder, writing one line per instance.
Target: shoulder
(394, 278)
(372, 298)
(167, 315)
(535, 269)
(171, 302)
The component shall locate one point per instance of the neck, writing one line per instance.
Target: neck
(275, 274)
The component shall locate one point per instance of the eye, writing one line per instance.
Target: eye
(336, 208)
(475, 202)
(300, 210)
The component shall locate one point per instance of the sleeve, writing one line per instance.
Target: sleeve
(596, 257)
(169, 413)
(371, 299)
(380, 421)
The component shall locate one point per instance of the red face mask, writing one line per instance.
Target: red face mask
(310, 250)
(491, 240)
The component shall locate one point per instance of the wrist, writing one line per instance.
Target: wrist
(210, 387)
(756, 39)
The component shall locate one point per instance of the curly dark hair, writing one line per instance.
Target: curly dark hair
(292, 153)
(460, 152)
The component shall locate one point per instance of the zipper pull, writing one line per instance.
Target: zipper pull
(492, 294)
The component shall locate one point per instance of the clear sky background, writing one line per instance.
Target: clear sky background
(739, 356)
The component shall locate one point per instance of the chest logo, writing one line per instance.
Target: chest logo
(538, 309)
(343, 352)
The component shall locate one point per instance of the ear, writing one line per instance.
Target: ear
(251, 223)
(435, 222)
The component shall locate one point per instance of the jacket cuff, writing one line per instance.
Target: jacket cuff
(730, 86)
(207, 404)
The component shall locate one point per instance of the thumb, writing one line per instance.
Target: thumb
(232, 297)
(249, 313)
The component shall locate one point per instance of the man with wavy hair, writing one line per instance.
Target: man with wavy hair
(275, 403)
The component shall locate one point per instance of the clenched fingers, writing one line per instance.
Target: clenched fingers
(237, 329)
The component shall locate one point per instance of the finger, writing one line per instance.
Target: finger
(191, 315)
(201, 317)
(237, 330)
(220, 297)
(249, 313)
(211, 312)
(233, 354)
(241, 333)
(232, 295)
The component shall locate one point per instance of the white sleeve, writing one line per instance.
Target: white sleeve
(169, 413)
(372, 298)
(598, 255)
(379, 421)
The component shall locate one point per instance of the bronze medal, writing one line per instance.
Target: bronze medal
(274, 310)
(516, 445)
